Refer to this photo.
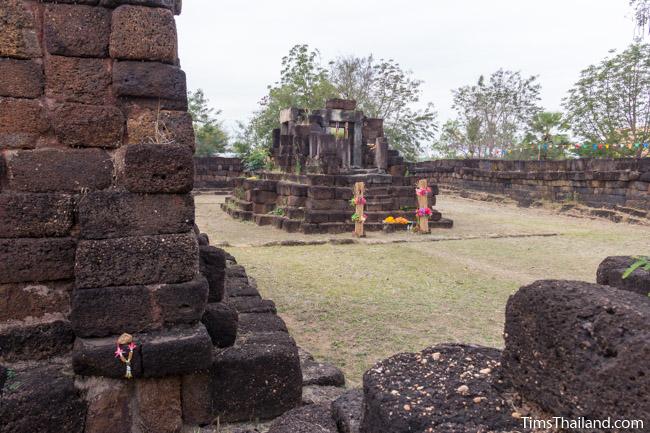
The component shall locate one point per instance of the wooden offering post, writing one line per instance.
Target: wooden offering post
(423, 203)
(359, 201)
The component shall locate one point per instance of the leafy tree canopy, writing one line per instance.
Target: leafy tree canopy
(211, 138)
(610, 103)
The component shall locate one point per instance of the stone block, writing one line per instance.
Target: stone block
(347, 411)
(108, 405)
(154, 168)
(76, 30)
(137, 260)
(24, 215)
(35, 339)
(195, 397)
(321, 192)
(261, 322)
(173, 352)
(341, 104)
(60, 170)
(109, 214)
(42, 398)
(21, 78)
(181, 303)
(611, 270)
(20, 301)
(75, 79)
(250, 304)
(96, 357)
(255, 381)
(179, 351)
(78, 125)
(143, 33)
(112, 311)
(212, 264)
(159, 405)
(577, 349)
(220, 320)
(173, 5)
(307, 419)
(429, 396)
(19, 38)
(149, 80)
(321, 374)
(240, 287)
(147, 126)
(45, 259)
(22, 121)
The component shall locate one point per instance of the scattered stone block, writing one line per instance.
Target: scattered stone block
(154, 168)
(18, 38)
(159, 404)
(137, 260)
(41, 398)
(44, 259)
(22, 121)
(75, 79)
(255, 380)
(143, 33)
(76, 30)
(347, 411)
(418, 392)
(321, 374)
(611, 270)
(50, 336)
(20, 301)
(212, 265)
(35, 215)
(110, 214)
(577, 349)
(308, 419)
(21, 78)
(78, 125)
(149, 80)
(220, 320)
(60, 170)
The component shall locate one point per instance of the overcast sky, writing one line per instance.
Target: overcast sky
(232, 48)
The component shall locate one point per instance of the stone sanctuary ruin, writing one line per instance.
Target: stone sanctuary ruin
(321, 156)
(116, 315)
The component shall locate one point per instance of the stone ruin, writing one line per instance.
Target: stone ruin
(98, 245)
(320, 157)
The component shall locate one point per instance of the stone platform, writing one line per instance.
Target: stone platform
(317, 203)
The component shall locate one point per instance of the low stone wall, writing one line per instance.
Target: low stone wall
(212, 172)
(608, 183)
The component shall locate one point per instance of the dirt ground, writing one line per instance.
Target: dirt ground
(354, 305)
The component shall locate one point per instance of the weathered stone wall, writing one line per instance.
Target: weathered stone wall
(594, 182)
(216, 172)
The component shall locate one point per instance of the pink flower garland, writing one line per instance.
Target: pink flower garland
(423, 191)
(423, 212)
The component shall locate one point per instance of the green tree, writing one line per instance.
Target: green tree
(304, 83)
(610, 103)
(383, 89)
(496, 111)
(641, 13)
(547, 137)
(457, 140)
(211, 138)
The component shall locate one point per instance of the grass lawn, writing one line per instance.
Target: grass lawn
(353, 305)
